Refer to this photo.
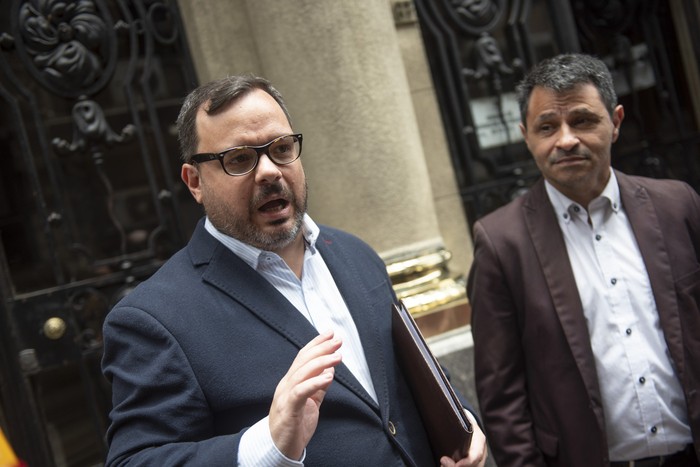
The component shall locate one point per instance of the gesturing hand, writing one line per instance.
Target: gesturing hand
(298, 396)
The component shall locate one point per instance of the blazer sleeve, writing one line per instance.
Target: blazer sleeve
(499, 365)
(159, 416)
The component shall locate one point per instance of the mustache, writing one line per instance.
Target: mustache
(274, 188)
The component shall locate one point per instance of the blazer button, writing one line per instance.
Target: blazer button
(392, 428)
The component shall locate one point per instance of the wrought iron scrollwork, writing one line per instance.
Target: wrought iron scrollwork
(490, 62)
(69, 47)
(88, 308)
(476, 16)
(88, 90)
(160, 20)
(91, 131)
(491, 67)
(605, 16)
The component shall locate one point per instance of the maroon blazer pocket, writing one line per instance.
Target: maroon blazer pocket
(547, 442)
(688, 292)
(689, 282)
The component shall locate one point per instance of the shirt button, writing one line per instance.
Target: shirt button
(598, 237)
(392, 428)
(613, 281)
(628, 331)
(642, 379)
(653, 429)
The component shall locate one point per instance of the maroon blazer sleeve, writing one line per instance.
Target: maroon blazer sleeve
(499, 359)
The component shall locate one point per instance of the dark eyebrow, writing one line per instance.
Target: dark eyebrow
(583, 111)
(545, 116)
(579, 112)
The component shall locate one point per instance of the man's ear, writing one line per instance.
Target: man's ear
(523, 131)
(190, 175)
(617, 117)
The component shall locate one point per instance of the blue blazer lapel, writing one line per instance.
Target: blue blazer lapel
(233, 276)
(548, 242)
(230, 274)
(346, 272)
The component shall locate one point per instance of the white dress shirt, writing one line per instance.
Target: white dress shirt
(318, 299)
(643, 402)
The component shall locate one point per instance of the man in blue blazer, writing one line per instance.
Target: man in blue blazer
(267, 339)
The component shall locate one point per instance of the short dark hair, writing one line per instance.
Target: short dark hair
(218, 94)
(565, 72)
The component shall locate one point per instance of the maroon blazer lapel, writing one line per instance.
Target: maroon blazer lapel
(646, 226)
(548, 242)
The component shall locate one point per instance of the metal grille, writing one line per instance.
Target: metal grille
(90, 200)
(479, 49)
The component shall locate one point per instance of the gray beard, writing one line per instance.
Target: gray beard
(243, 230)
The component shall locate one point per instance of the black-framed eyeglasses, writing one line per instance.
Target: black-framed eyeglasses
(243, 159)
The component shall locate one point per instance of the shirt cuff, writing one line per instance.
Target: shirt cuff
(258, 450)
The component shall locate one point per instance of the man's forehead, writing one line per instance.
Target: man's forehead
(564, 111)
(577, 100)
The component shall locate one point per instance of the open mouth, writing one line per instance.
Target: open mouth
(274, 205)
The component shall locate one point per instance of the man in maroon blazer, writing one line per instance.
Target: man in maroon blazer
(586, 294)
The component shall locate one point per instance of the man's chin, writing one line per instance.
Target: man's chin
(274, 242)
(279, 222)
(277, 235)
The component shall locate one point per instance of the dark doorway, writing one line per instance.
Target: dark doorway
(90, 202)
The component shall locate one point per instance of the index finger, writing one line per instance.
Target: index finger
(323, 344)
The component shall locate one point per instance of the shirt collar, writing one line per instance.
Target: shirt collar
(566, 208)
(250, 254)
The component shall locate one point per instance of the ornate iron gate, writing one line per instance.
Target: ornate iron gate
(479, 49)
(90, 201)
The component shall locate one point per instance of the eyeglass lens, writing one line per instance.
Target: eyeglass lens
(284, 150)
